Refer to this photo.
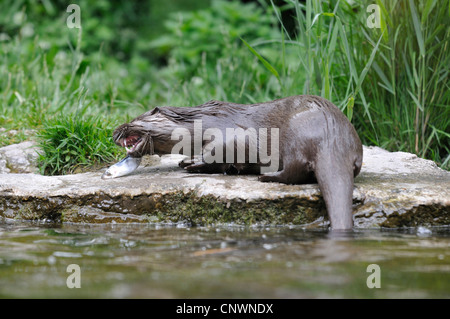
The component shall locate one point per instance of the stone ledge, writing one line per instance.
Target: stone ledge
(19, 158)
(393, 190)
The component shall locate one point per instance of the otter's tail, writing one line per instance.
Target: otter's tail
(335, 178)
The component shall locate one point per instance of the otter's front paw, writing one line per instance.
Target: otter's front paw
(196, 167)
(270, 177)
(184, 163)
(264, 179)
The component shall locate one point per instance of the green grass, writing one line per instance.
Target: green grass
(69, 110)
(412, 97)
(74, 86)
(70, 143)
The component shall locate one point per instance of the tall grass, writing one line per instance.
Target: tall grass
(412, 95)
(392, 82)
(69, 107)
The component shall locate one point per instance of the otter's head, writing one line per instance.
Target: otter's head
(135, 136)
(151, 132)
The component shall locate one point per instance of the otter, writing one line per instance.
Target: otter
(308, 138)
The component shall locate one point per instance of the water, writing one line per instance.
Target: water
(155, 261)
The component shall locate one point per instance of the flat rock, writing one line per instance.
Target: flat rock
(19, 158)
(394, 189)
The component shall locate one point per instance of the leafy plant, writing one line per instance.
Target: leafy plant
(204, 36)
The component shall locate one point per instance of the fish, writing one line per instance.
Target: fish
(124, 167)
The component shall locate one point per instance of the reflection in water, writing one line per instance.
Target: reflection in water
(156, 261)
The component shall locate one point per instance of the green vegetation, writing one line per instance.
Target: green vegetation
(392, 81)
(411, 100)
(75, 85)
(69, 142)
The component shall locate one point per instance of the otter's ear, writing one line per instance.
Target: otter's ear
(155, 110)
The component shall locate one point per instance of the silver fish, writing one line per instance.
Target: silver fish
(124, 167)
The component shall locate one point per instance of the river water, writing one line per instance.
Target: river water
(177, 261)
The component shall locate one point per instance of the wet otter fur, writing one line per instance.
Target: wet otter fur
(317, 143)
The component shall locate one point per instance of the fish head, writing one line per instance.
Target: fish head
(111, 172)
(108, 174)
(124, 167)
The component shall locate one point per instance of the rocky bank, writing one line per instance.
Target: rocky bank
(394, 189)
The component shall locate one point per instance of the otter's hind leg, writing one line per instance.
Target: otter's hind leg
(335, 178)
